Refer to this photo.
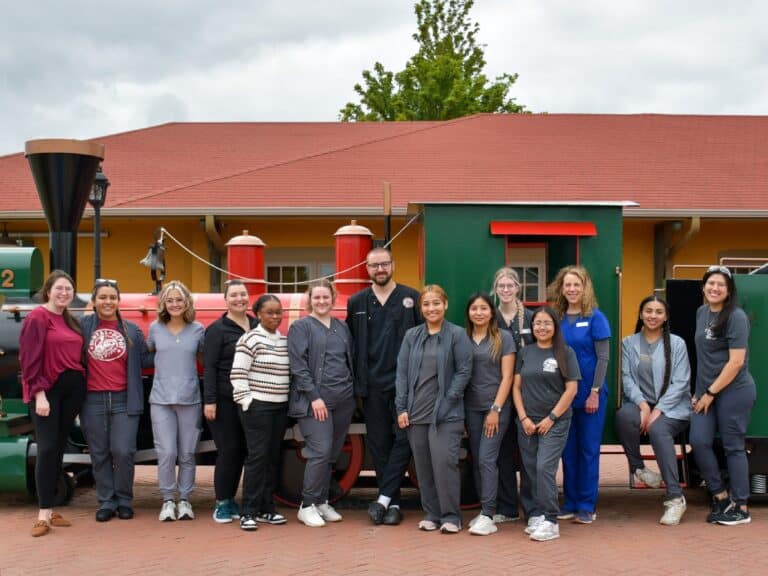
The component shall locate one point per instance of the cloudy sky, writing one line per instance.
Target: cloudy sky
(82, 69)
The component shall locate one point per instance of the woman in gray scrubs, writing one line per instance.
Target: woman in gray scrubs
(175, 400)
(433, 369)
(724, 396)
(321, 397)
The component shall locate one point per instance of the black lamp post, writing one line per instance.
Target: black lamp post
(97, 198)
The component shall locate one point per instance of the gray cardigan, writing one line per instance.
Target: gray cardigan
(138, 357)
(306, 353)
(676, 402)
(454, 369)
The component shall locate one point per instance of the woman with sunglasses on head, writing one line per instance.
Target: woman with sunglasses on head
(218, 406)
(433, 369)
(53, 384)
(115, 353)
(261, 378)
(656, 401)
(177, 341)
(513, 317)
(586, 330)
(546, 381)
(321, 397)
(724, 396)
(487, 402)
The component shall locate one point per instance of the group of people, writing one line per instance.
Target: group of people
(517, 381)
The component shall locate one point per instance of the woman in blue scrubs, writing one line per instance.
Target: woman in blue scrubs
(586, 330)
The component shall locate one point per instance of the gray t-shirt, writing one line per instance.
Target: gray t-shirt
(425, 391)
(486, 374)
(712, 351)
(336, 384)
(645, 369)
(176, 380)
(542, 382)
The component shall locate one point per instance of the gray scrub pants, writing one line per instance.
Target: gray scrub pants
(436, 450)
(729, 415)
(540, 457)
(111, 435)
(485, 455)
(176, 429)
(323, 442)
(662, 436)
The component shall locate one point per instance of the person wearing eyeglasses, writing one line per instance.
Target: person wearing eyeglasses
(115, 353)
(724, 396)
(175, 403)
(656, 401)
(218, 406)
(433, 369)
(513, 317)
(546, 381)
(585, 329)
(53, 384)
(261, 376)
(378, 318)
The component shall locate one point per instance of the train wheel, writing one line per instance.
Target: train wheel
(345, 475)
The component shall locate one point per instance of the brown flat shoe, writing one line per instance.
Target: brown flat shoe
(41, 528)
(59, 521)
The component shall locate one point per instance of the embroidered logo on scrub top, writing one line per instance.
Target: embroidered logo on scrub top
(106, 345)
(549, 366)
(407, 302)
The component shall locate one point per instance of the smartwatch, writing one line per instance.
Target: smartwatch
(496, 408)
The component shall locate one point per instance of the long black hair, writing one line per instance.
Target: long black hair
(664, 334)
(731, 301)
(104, 283)
(494, 336)
(558, 343)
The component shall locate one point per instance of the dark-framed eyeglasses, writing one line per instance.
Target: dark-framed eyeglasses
(380, 265)
(105, 282)
(720, 269)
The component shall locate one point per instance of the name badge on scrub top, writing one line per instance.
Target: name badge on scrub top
(582, 324)
(525, 331)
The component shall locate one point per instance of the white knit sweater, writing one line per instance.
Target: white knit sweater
(260, 369)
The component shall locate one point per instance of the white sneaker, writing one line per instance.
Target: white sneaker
(483, 526)
(310, 516)
(185, 510)
(533, 524)
(546, 531)
(168, 511)
(474, 520)
(328, 513)
(675, 508)
(648, 477)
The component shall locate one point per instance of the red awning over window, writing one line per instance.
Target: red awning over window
(543, 229)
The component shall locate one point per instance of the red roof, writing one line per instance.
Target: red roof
(674, 163)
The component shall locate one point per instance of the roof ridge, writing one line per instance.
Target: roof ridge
(433, 124)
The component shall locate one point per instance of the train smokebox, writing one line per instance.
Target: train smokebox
(353, 242)
(245, 260)
(63, 171)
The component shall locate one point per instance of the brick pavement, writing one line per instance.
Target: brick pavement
(626, 539)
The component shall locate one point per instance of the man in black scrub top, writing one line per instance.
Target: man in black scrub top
(378, 318)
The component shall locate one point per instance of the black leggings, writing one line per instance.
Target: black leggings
(52, 432)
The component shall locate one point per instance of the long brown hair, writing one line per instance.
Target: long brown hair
(102, 283)
(557, 299)
(558, 343)
(45, 296)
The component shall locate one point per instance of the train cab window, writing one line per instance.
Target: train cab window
(286, 279)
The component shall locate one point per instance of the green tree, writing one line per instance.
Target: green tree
(443, 80)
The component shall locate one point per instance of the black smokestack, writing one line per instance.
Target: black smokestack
(63, 171)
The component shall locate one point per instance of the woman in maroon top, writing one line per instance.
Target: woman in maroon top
(53, 383)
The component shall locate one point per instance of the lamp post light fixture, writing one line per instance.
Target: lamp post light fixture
(97, 198)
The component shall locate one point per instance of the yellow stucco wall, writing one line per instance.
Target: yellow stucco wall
(637, 278)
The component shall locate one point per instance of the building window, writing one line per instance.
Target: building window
(289, 269)
(529, 261)
(287, 278)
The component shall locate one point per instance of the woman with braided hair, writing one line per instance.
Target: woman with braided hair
(656, 401)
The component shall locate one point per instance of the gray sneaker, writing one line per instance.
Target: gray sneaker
(648, 477)
(185, 510)
(168, 511)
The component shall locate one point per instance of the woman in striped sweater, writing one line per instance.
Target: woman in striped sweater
(260, 379)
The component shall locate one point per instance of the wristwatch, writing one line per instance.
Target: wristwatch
(552, 416)
(496, 408)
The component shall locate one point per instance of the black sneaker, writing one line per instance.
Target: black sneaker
(734, 515)
(376, 512)
(248, 522)
(718, 509)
